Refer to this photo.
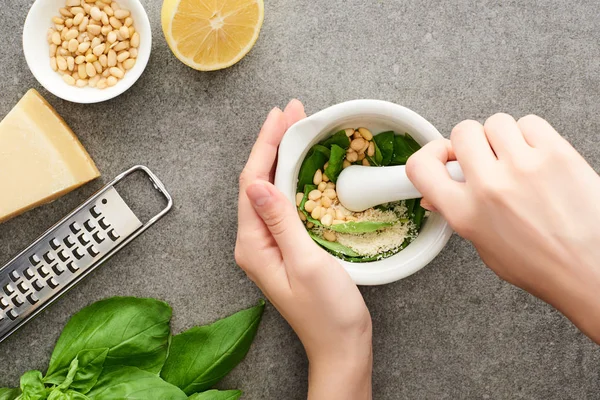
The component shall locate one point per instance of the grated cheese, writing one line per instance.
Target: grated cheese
(374, 243)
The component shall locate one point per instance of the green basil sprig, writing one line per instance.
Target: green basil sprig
(117, 349)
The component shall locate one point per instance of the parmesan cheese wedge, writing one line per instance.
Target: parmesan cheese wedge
(41, 159)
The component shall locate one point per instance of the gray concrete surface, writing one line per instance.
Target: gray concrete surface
(452, 331)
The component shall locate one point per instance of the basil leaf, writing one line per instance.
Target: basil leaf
(385, 143)
(57, 394)
(339, 138)
(9, 393)
(336, 161)
(202, 356)
(418, 215)
(315, 159)
(217, 395)
(131, 383)
(136, 332)
(32, 386)
(404, 147)
(334, 247)
(360, 227)
(90, 366)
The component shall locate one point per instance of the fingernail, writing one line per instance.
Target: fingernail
(258, 194)
(273, 112)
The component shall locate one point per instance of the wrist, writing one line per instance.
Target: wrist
(342, 374)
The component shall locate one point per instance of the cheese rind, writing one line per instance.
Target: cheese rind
(41, 159)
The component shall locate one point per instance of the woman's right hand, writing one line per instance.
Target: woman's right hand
(530, 205)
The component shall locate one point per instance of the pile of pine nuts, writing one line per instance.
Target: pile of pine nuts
(93, 43)
(361, 145)
(323, 203)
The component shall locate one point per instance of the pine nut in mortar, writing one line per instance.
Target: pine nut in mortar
(373, 234)
(92, 43)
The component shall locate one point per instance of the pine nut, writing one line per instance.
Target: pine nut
(56, 38)
(346, 164)
(65, 45)
(83, 47)
(84, 24)
(371, 150)
(96, 14)
(116, 72)
(122, 14)
(349, 132)
(339, 215)
(58, 20)
(352, 156)
(81, 83)
(310, 225)
(70, 63)
(106, 29)
(299, 197)
(90, 70)
(365, 147)
(102, 84)
(124, 32)
(361, 156)
(322, 186)
(63, 52)
(53, 49)
(78, 10)
(73, 45)
(365, 162)
(129, 63)
(330, 185)
(327, 220)
(95, 42)
(81, 70)
(135, 40)
(115, 22)
(329, 236)
(112, 58)
(103, 59)
(109, 11)
(65, 13)
(62, 63)
(316, 213)
(86, 7)
(115, 6)
(133, 53)
(357, 144)
(72, 3)
(356, 135)
(325, 178)
(69, 22)
(112, 81)
(326, 165)
(53, 64)
(315, 195)
(94, 29)
(69, 80)
(128, 21)
(302, 216)
(326, 202)
(121, 46)
(330, 193)
(91, 58)
(78, 19)
(94, 81)
(310, 205)
(122, 56)
(106, 73)
(97, 67)
(98, 50)
(318, 177)
(365, 133)
(79, 60)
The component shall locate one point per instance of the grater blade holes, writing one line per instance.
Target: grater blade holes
(34, 260)
(113, 235)
(8, 289)
(69, 241)
(83, 240)
(98, 238)
(3, 303)
(94, 212)
(14, 276)
(77, 253)
(89, 225)
(62, 256)
(17, 301)
(93, 251)
(37, 285)
(28, 273)
(48, 257)
(52, 283)
(32, 298)
(75, 227)
(72, 267)
(103, 224)
(42, 271)
(58, 270)
(12, 314)
(23, 288)
(55, 244)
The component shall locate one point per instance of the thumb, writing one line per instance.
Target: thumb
(426, 169)
(281, 218)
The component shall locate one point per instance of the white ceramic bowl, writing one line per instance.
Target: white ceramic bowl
(378, 116)
(36, 50)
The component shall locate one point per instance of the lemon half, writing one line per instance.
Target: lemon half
(208, 35)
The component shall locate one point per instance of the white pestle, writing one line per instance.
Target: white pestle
(359, 188)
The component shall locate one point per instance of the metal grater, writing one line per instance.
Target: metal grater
(68, 251)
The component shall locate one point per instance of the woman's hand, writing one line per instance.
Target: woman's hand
(530, 205)
(307, 285)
